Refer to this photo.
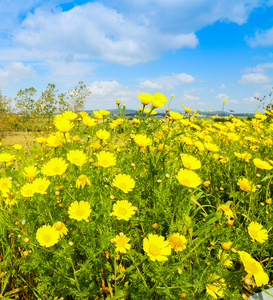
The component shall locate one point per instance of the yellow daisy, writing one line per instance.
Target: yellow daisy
(121, 242)
(188, 178)
(47, 236)
(177, 242)
(79, 210)
(56, 166)
(156, 247)
(106, 159)
(77, 157)
(257, 233)
(123, 210)
(61, 228)
(124, 182)
(82, 181)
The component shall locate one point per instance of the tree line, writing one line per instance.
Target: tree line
(28, 112)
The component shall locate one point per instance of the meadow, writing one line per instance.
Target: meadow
(177, 207)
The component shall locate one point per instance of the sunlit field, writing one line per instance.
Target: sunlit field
(177, 207)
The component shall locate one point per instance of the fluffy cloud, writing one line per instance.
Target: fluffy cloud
(222, 86)
(147, 84)
(184, 78)
(188, 97)
(249, 100)
(99, 31)
(261, 38)
(254, 78)
(222, 96)
(14, 72)
(167, 82)
(105, 93)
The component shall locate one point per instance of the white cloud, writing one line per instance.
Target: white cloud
(249, 100)
(222, 86)
(260, 68)
(147, 84)
(254, 78)
(233, 101)
(99, 31)
(261, 38)
(185, 78)
(14, 72)
(222, 96)
(167, 82)
(188, 97)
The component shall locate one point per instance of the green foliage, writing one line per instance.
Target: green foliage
(84, 263)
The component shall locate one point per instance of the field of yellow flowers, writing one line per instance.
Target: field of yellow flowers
(171, 208)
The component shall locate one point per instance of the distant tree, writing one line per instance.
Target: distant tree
(25, 104)
(5, 111)
(63, 103)
(77, 96)
(46, 106)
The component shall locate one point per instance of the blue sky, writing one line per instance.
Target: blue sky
(201, 51)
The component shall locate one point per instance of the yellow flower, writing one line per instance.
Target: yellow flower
(178, 242)
(161, 97)
(261, 164)
(145, 98)
(6, 157)
(156, 247)
(64, 125)
(40, 140)
(142, 140)
(56, 166)
(61, 228)
(27, 190)
(188, 178)
(124, 182)
(77, 157)
(53, 141)
(79, 210)
(30, 172)
(246, 185)
(157, 103)
(253, 268)
(224, 100)
(103, 134)
(136, 121)
(211, 147)
(150, 111)
(121, 241)
(5, 184)
(123, 210)
(244, 155)
(224, 258)
(47, 236)
(69, 115)
(187, 109)
(82, 181)
(257, 233)
(217, 287)
(226, 209)
(17, 147)
(175, 115)
(83, 114)
(104, 113)
(106, 159)
(190, 162)
(97, 115)
(89, 122)
(40, 185)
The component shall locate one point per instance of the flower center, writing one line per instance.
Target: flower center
(123, 186)
(122, 211)
(120, 242)
(176, 241)
(47, 238)
(154, 250)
